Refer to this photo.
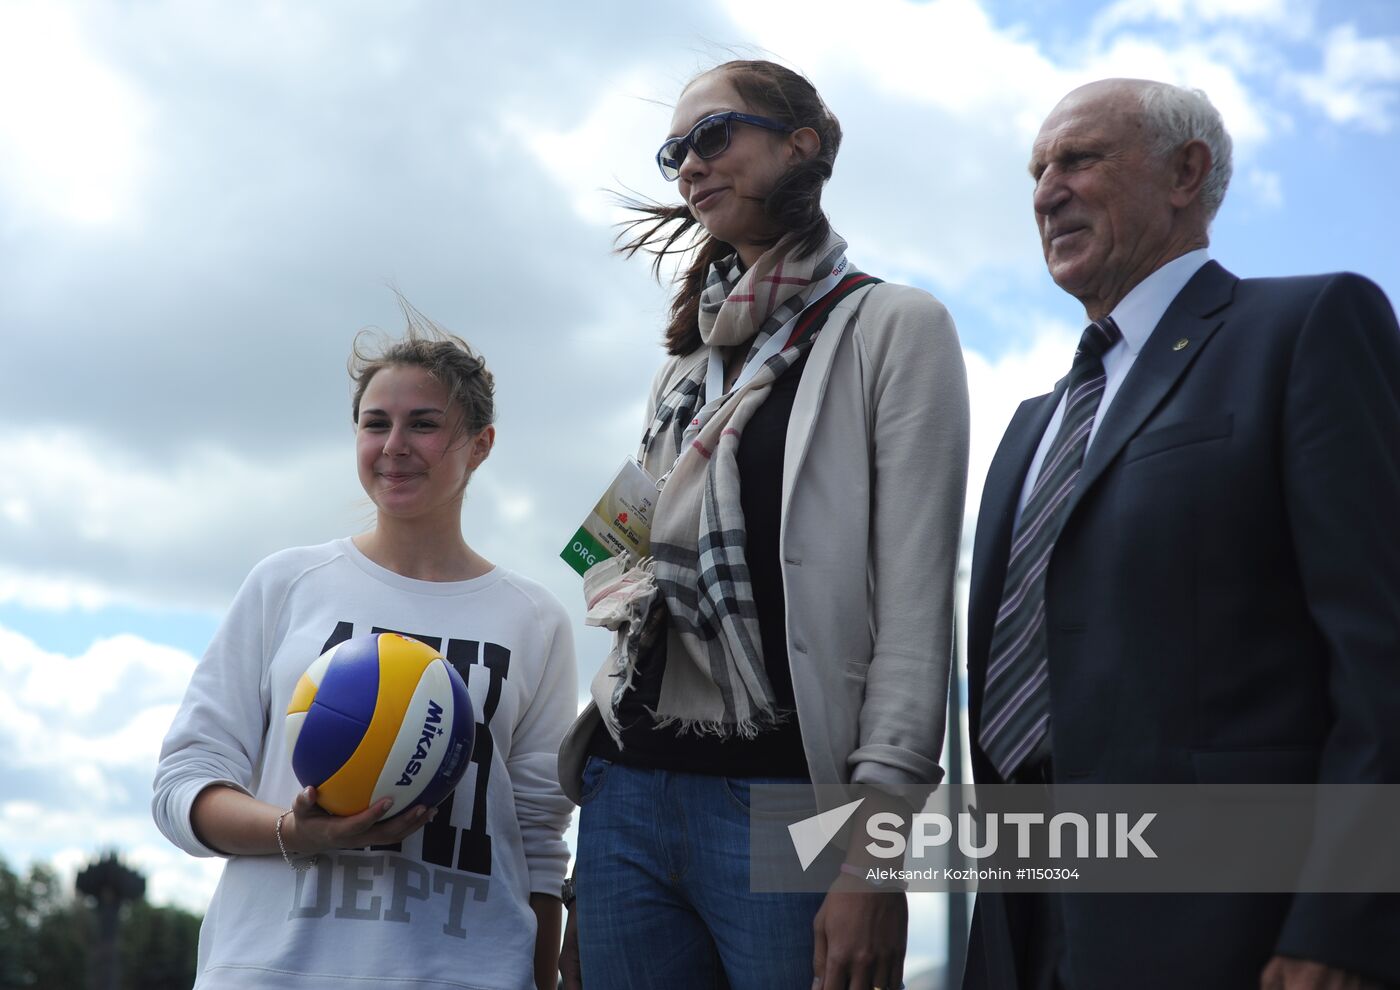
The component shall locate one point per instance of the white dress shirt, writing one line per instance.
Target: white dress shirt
(1137, 315)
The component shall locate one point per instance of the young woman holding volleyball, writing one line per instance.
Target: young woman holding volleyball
(464, 895)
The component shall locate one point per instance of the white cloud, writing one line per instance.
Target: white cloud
(922, 53)
(103, 525)
(1250, 121)
(73, 129)
(30, 590)
(1211, 12)
(605, 151)
(79, 739)
(949, 54)
(107, 708)
(17, 511)
(940, 103)
(1356, 82)
(1243, 52)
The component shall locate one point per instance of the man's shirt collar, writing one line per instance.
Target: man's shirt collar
(1139, 312)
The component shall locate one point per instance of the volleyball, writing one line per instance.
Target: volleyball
(380, 716)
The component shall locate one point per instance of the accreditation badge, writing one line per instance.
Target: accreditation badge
(619, 523)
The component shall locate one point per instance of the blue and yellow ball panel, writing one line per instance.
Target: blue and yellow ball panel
(352, 679)
(316, 756)
(337, 708)
(328, 739)
(376, 716)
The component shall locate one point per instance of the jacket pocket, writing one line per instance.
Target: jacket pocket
(1179, 435)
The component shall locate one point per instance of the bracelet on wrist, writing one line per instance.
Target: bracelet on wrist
(880, 886)
(305, 864)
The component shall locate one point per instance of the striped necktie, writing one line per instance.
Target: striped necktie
(1016, 700)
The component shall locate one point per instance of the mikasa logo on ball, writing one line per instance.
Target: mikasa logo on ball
(431, 729)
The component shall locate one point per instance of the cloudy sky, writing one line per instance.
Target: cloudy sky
(201, 202)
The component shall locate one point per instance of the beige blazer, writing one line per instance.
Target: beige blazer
(874, 473)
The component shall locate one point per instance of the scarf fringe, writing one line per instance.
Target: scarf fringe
(747, 729)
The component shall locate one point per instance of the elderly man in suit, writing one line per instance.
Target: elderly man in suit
(1187, 562)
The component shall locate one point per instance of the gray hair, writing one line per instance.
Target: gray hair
(1176, 115)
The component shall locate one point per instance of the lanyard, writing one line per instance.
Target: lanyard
(715, 395)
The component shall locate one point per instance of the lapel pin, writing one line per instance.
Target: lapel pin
(1180, 344)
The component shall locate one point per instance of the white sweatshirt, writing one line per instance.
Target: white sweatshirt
(448, 909)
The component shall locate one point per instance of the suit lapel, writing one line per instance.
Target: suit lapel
(1194, 315)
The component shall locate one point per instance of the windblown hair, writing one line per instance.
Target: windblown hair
(1174, 116)
(424, 344)
(793, 205)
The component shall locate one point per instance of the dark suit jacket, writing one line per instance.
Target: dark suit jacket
(1222, 605)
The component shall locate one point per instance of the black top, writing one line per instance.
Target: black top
(776, 752)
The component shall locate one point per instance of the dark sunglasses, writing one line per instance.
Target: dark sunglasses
(708, 138)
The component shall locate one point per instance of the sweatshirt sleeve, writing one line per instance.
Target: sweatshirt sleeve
(218, 732)
(540, 804)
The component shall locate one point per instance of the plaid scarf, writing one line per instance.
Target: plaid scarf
(715, 680)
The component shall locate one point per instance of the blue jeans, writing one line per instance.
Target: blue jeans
(663, 888)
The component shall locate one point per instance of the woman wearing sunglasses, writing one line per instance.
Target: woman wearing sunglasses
(794, 620)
